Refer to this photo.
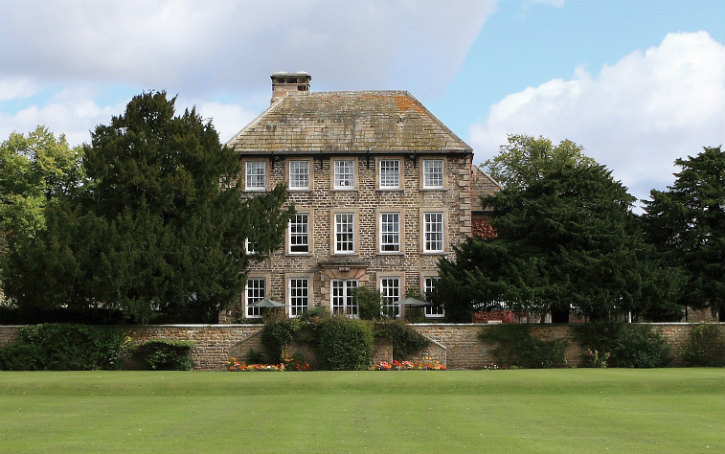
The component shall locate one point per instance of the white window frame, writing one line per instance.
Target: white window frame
(346, 229)
(390, 295)
(249, 247)
(342, 298)
(389, 178)
(349, 175)
(254, 312)
(293, 233)
(299, 175)
(298, 295)
(433, 172)
(434, 232)
(389, 240)
(252, 180)
(429, 283)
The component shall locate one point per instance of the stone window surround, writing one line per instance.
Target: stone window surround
(267, 281)
(378, 173)
(423, 212)
(310, 236)
(310, 176)
(266, 174)
(345, 296)
(444, 183)
(355, 177)
(401, 230)
(355, 230)
(379, 276)
(288, 277)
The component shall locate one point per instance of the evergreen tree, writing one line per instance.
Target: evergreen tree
(566, 239)
(160, 227)
(687, 223)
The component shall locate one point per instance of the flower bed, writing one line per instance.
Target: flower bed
(409, 365)
(289, 364)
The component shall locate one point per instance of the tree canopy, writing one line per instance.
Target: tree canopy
(158, 229)
(566, 238)
(35, 169)
(525, 159)
(687, 224)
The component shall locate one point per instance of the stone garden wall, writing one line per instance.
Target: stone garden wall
(455, 345)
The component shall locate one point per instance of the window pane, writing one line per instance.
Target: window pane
(390, 232)
(433, 173)
(390, 289)
(299, 174)
(256, 175)
(256, 290)
(433, 232)
(344, 174)
(298, 296)
(389, 173)
(344, 233)
(299, 233)
(428, 287)
(343, 300)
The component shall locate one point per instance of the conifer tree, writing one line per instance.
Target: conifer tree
(161, 225)
(566, 239)
(687, 224)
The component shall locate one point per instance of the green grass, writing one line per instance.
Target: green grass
(556, 410)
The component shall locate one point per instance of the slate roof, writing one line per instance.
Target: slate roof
(347, 122)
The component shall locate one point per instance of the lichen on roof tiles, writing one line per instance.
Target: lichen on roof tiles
(347, 121)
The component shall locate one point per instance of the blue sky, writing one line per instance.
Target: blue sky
(637, 83)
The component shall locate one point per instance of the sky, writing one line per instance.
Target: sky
(637, 83)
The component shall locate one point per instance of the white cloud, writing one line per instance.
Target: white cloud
(68, 113)
(16, 88)
(636, 116)
(198, 46)
(217, 50)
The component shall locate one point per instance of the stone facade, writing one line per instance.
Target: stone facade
(456, 345)
(308, 141)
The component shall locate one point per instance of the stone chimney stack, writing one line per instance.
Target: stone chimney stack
(284, 83)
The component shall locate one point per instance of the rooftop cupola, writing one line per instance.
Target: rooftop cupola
(284, 83)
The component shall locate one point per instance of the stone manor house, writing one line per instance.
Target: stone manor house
(382, 190)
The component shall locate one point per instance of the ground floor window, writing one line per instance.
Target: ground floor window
(429, 283)
(256, 290)
(342, 297)
(390, 291)
(299, 296)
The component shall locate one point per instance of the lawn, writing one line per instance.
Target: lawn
(556, 410)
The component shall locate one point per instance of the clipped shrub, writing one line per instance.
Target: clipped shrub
(406, 341)
(515, 346)
(65, 346)
(344, 343)
(705, 346)
(277, 334)
(162, 354)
